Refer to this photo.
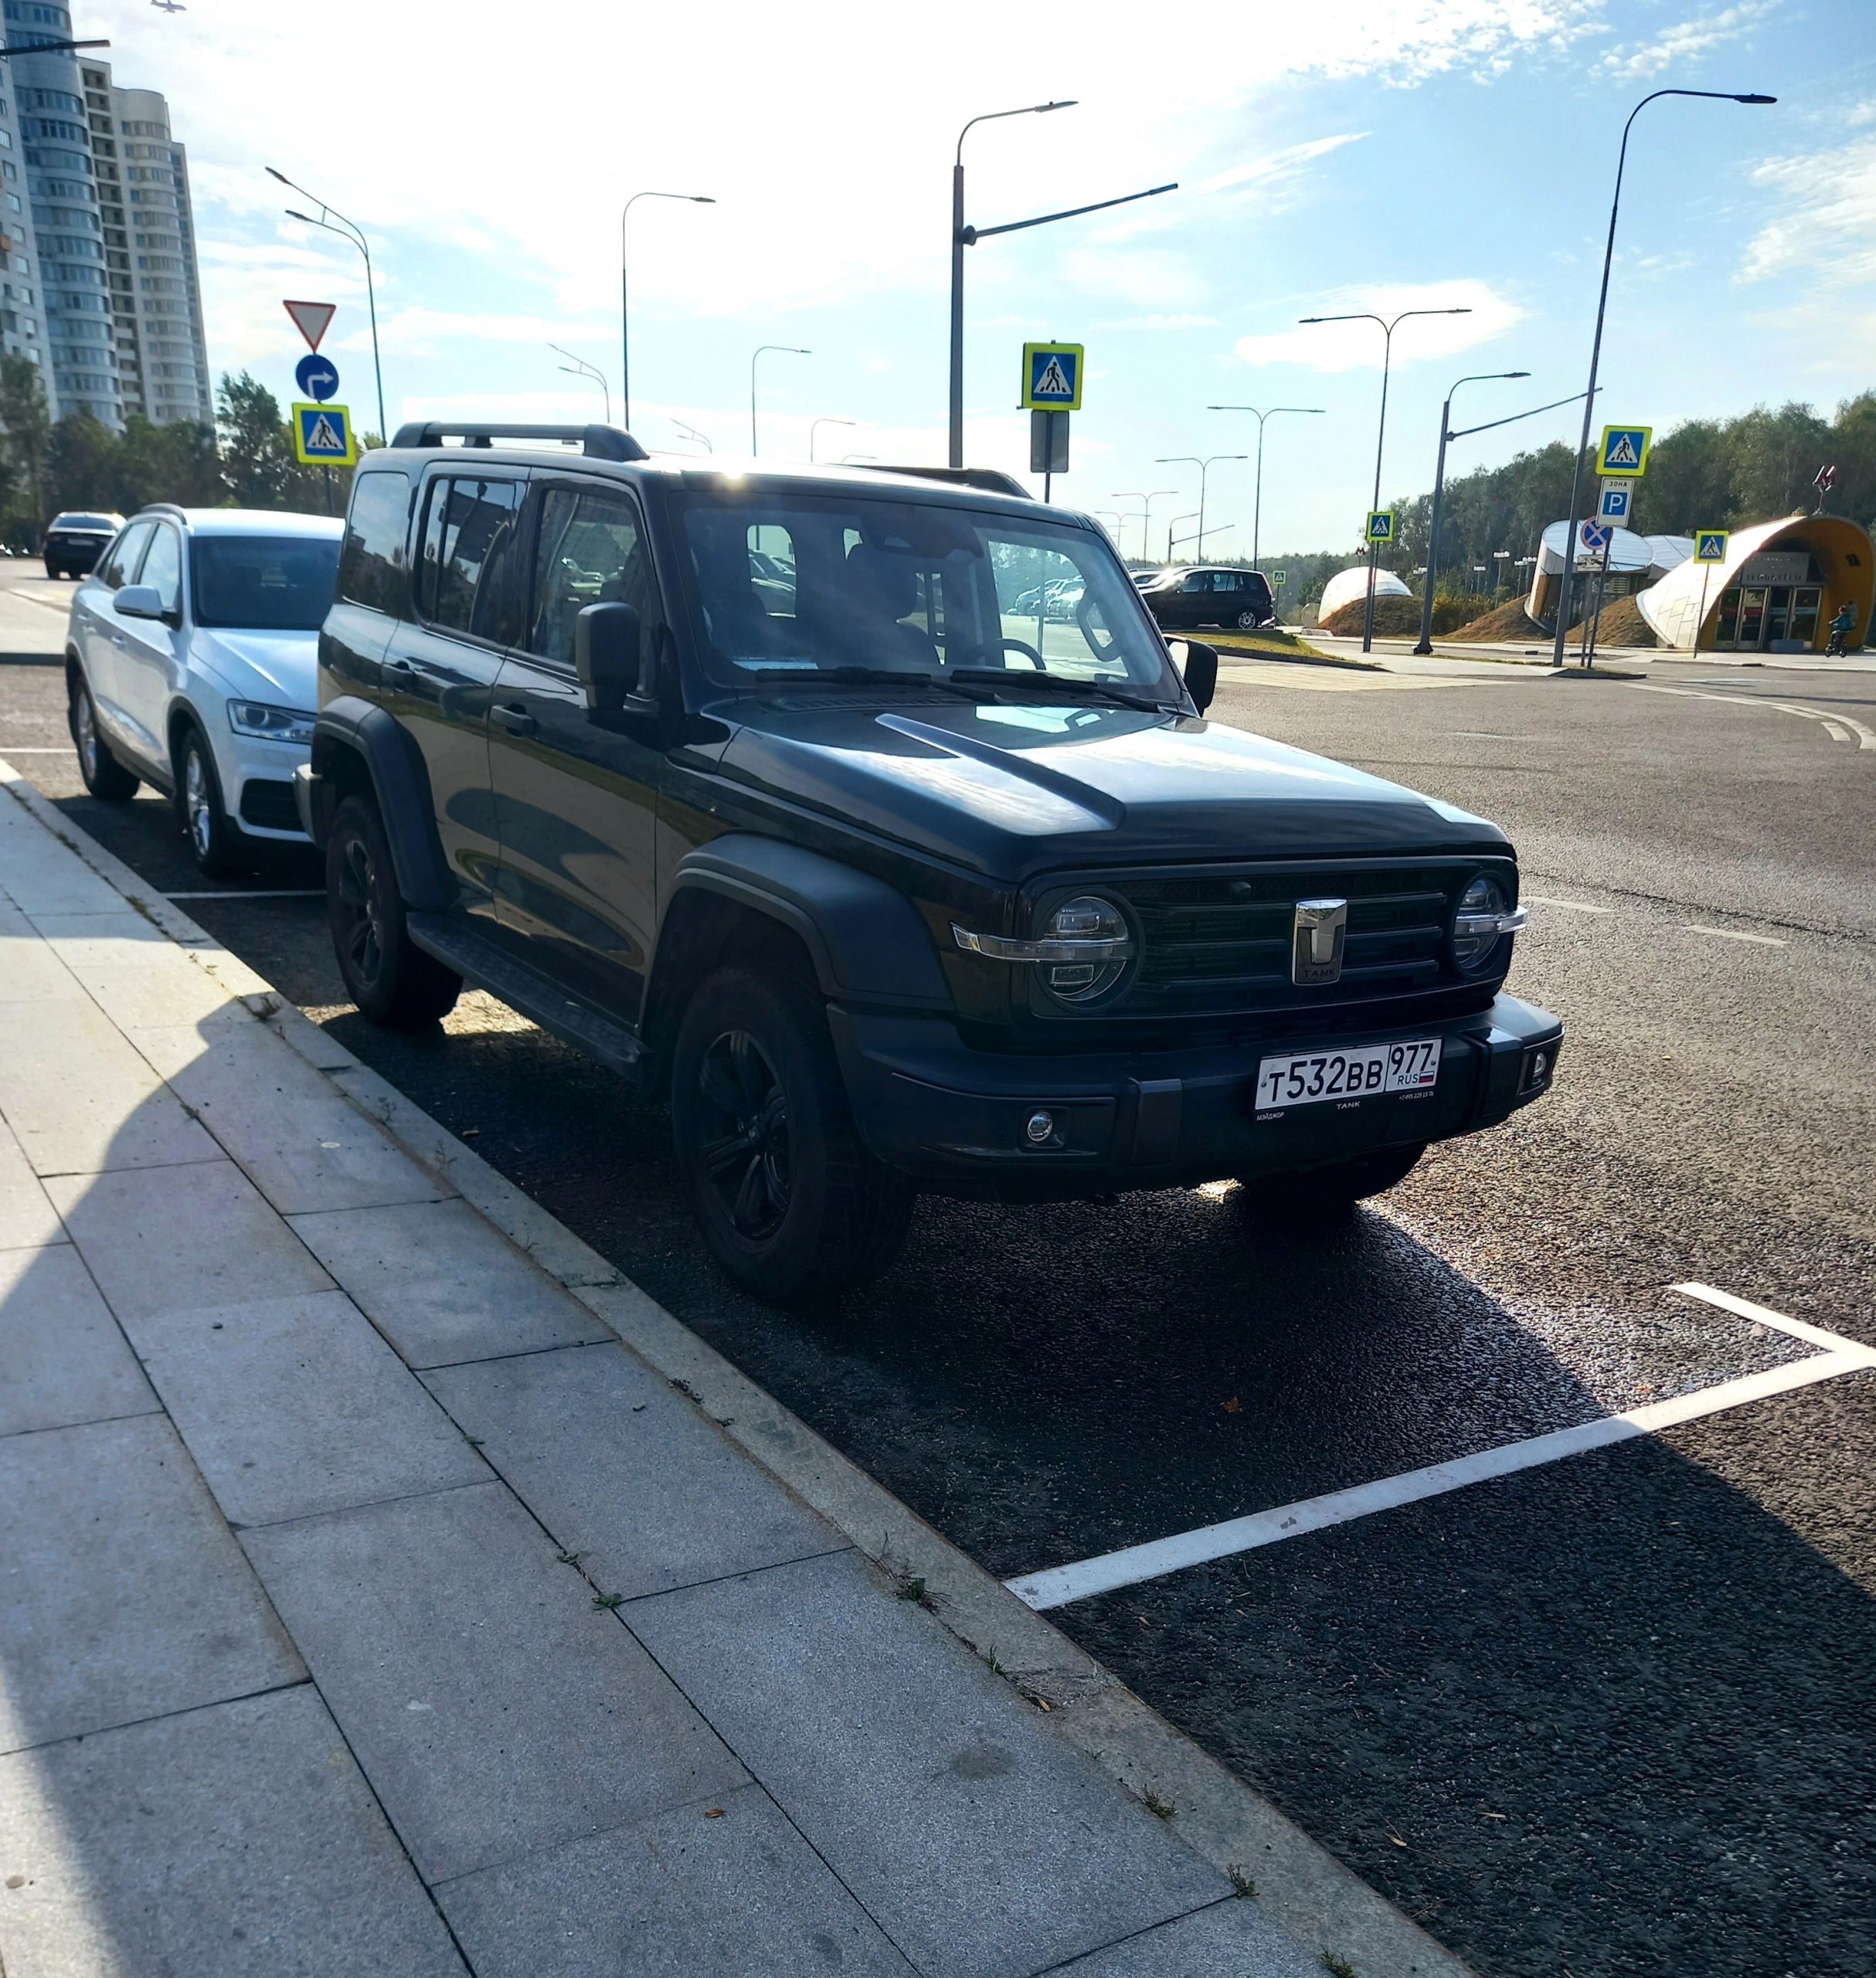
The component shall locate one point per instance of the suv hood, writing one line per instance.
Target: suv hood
(1011, 790)
(281, 667)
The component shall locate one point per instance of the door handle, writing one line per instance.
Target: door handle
(397, 666)
(516, 720)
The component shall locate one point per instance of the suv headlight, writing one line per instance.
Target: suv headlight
(275, 724)
(1483, 919)
(1084, 949)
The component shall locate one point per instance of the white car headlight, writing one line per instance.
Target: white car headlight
(275, 724)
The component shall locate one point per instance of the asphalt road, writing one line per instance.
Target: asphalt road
(1614, 1715)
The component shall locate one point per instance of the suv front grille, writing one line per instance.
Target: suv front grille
(1219, 942)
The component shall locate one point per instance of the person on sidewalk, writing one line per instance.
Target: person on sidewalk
(1841, 627)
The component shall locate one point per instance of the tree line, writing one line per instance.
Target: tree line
(1708, 473)
(244, 460)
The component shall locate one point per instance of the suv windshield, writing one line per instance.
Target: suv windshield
(263, 583)
(788, 586)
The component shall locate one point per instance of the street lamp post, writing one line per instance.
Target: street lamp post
(579, 368)
(1257, 511)
(1148, 497)
(1500, 558)
(625, 313)
(1190, 515)
(792, 351)
(1426, 645)
(1387, 359)
(347, 229)
(1205, 467)
(816, 426)
(1595, 345)
(963, 237)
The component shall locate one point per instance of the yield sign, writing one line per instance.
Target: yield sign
(312, 319)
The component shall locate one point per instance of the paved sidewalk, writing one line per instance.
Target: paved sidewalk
(367, 1606)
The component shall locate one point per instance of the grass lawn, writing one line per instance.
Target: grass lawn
(1268, 643)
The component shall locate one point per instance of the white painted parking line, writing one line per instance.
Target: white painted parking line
(1734, 934)
(1569, 905)
(1059, 1585)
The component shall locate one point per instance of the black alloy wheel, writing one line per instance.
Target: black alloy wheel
(392, 981)
(742, 1123)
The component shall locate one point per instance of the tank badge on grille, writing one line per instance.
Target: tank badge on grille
(1321, 929)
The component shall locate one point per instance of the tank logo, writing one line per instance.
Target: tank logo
(1320, 931)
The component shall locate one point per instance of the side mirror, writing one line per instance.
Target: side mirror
(606, 638)
(138, 601)
(1199, 669)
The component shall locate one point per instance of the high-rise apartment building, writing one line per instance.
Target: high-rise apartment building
(111, 236)
(22, 317)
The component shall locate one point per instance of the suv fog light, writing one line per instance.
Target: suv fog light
(1539, 1065)
(1039, 1129)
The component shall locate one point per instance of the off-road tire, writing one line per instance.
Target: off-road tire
(214, 839)
(773, 1110)
(105, 777)
(1326, 1194)
(392, 980)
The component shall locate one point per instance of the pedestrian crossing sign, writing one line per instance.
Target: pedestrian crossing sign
(1051, 377)
(1279, 579)
(1624, 452)
(1381, 528)
(1710, 544)
(322, 435)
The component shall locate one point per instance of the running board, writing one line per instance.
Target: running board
(542, 1001)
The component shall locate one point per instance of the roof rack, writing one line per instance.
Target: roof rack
(599, 442)
(991, 481)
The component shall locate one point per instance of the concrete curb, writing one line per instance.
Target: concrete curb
(1299, 1884)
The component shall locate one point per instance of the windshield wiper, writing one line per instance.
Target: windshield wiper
(999, 678)
(878, 676)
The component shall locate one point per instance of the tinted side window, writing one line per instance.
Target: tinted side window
(468, 582)
(117, 569)
(591, 551)
(1198, 580)
(162, 566)
(372, 569)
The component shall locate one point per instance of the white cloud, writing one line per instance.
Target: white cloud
(1685, 41)
(1162, 322)
(1826, 228)
(1356, 346)
(1279, 168)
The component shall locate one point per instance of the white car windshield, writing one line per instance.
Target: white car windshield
(263, 583)
(790, 586)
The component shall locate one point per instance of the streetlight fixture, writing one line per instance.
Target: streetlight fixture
(579, 368)
(1426, 645)
(1595, 345)
(1501, 558)
(334, 222)
(625, 313)
(1257, 512)
(816, 426)
(963, 237)
(1205, 467)
(1190, 515)
(691, 433)
(792, 351)
(1380, 438)
(1149, 497)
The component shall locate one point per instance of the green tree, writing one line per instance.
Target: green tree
(81, 464)
(257, 447)
(27, 426)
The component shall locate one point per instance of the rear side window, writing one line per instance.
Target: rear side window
(373, 568)
(471, 577)
(119, 566)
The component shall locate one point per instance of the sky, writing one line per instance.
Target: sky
(1335, 156)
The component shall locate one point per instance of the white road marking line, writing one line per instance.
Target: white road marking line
(14, 749)
(1837, 732)
(288, 893)
(1571, 905)
(1763, 1315)
(1059, 1585)
(1733, 934)
(1866, 737)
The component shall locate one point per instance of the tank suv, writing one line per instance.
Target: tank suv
(796, 795)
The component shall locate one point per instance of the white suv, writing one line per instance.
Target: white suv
(190, 661)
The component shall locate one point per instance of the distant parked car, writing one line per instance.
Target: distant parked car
(1211, 595)
(191, 660)
(75, 540)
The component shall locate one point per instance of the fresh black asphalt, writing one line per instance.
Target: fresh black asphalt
(1614, 1716)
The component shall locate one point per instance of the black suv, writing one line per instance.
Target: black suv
(1210, 594)
(759, 786)
(75, 541)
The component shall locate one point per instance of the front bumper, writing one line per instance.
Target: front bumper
(956, 1118)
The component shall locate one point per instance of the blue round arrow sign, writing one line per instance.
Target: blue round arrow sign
(318, 377)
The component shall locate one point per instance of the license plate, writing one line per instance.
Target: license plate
(1310, 1078)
